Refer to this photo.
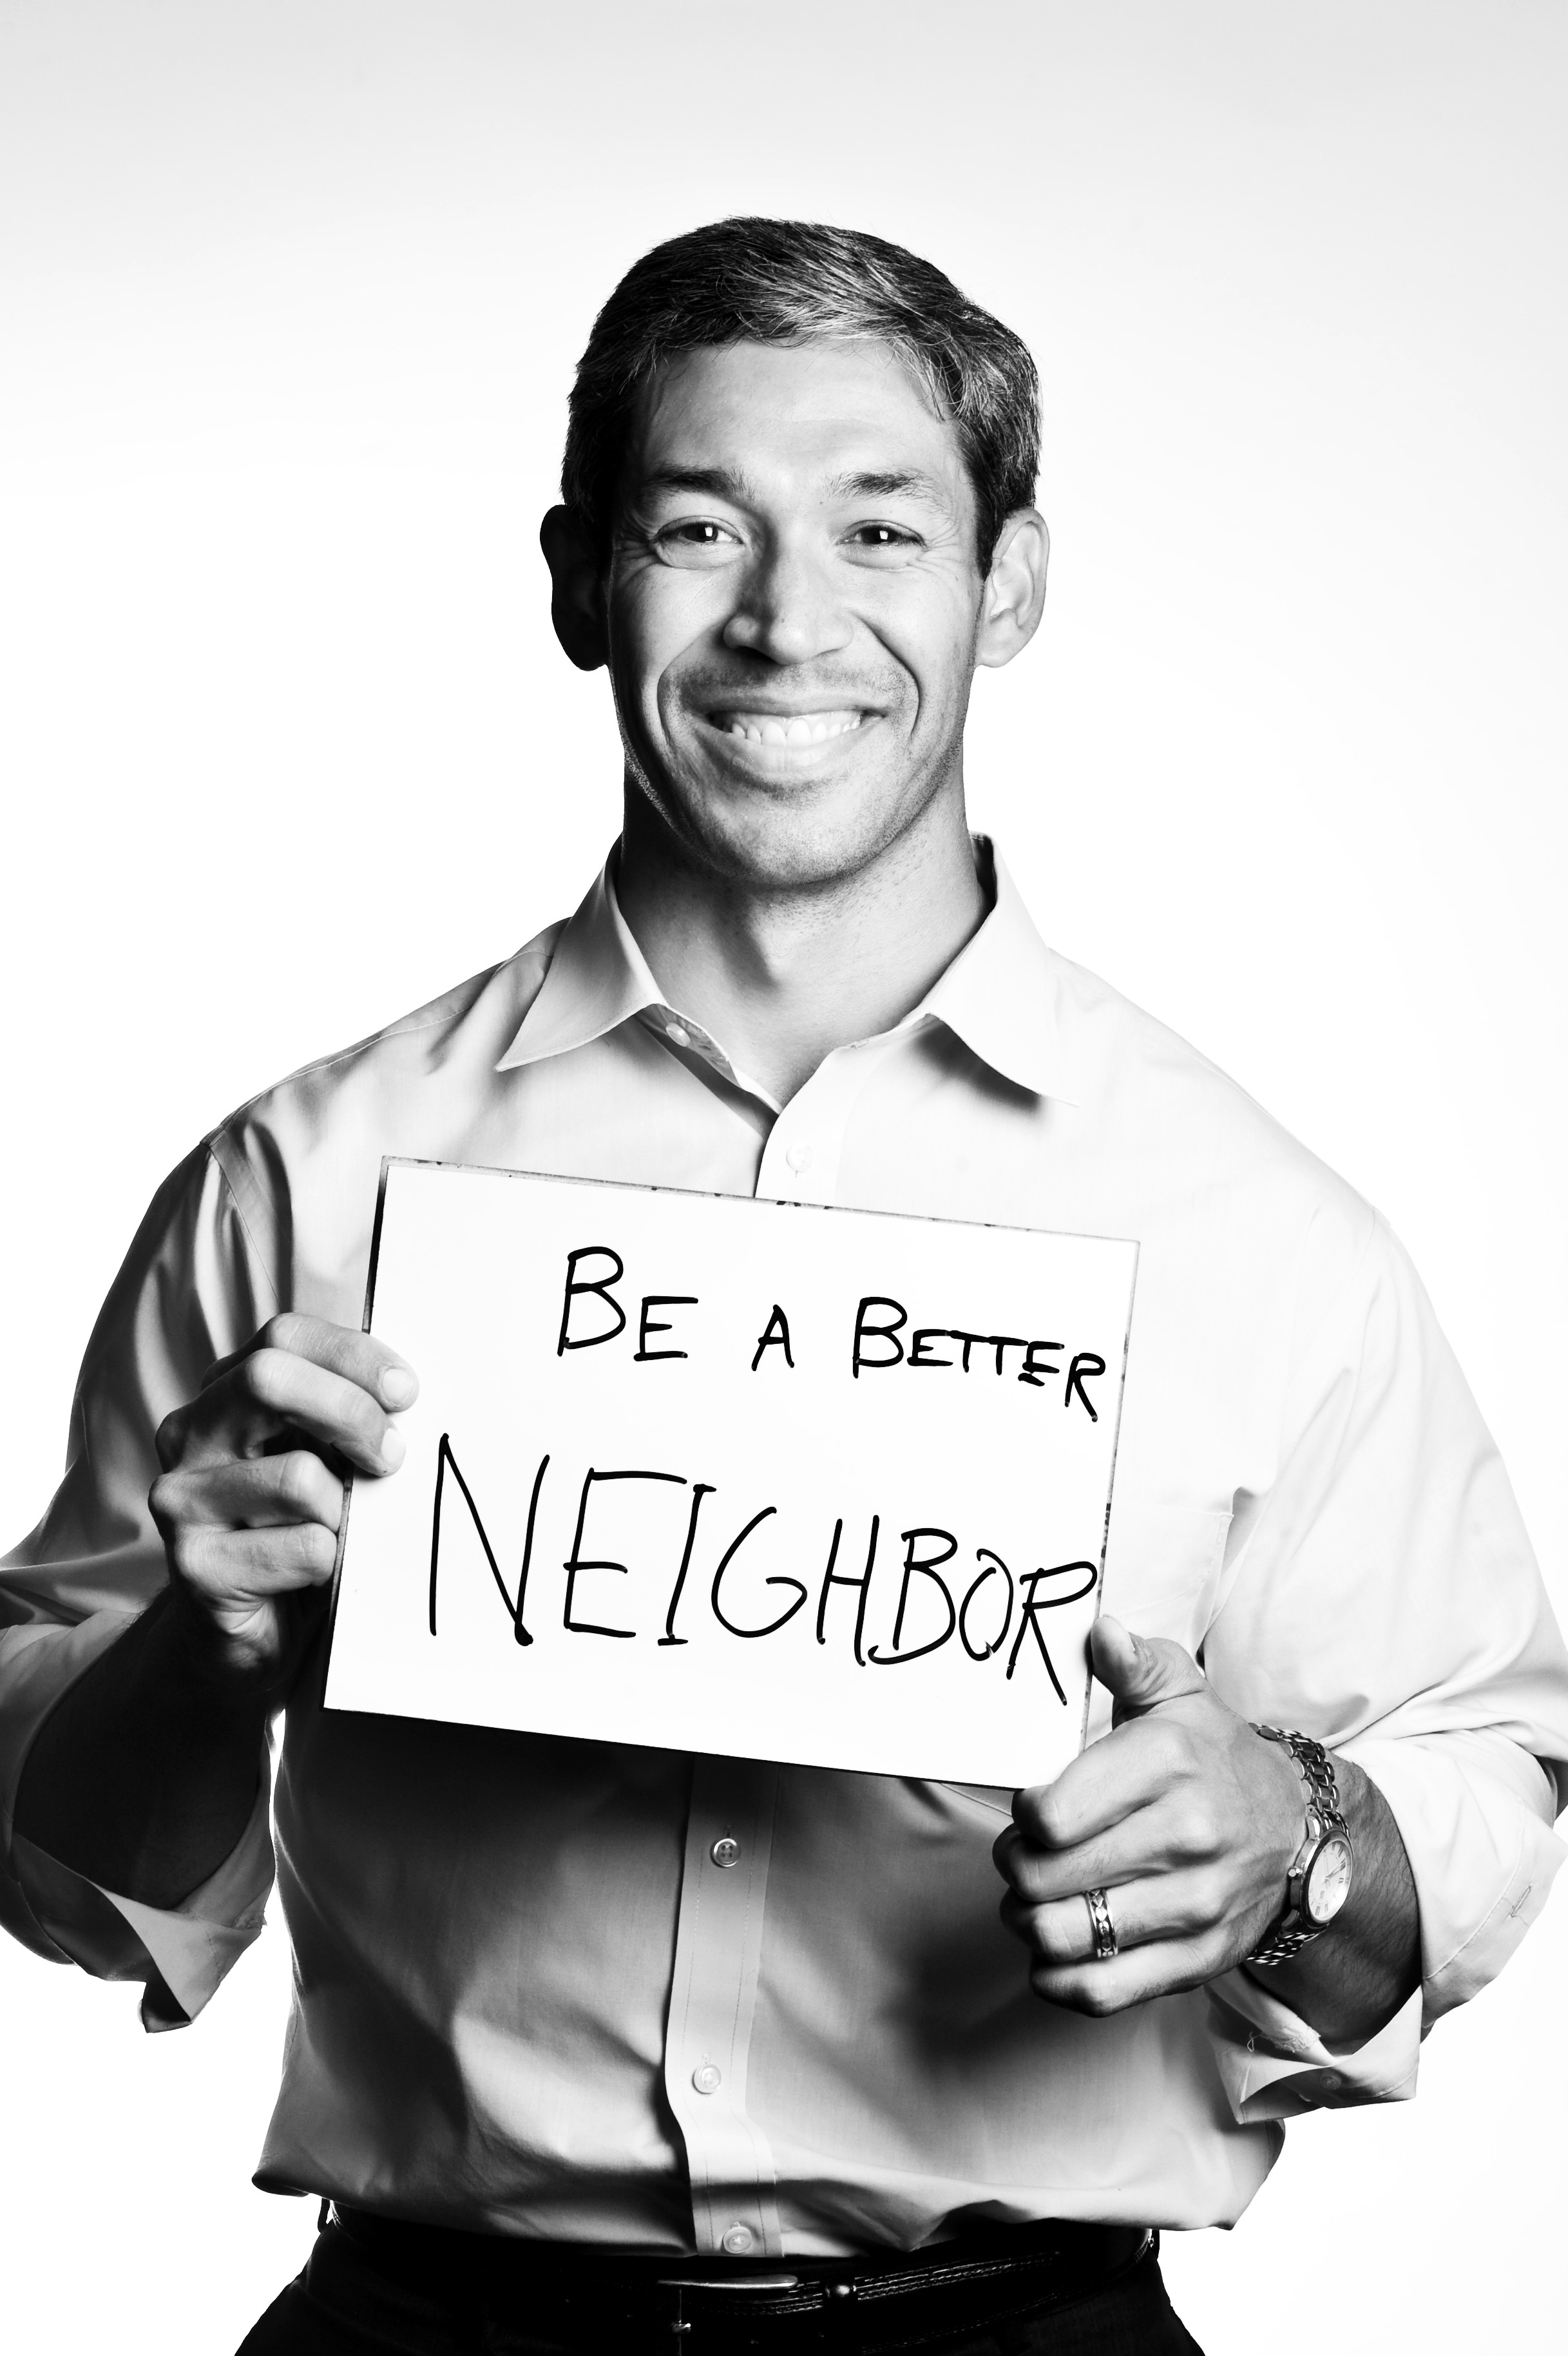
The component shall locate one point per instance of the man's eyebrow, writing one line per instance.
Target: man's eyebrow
(729, 483)
(710, 482)
(908, 481)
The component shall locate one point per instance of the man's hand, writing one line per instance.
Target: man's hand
(144, 1776)
(250, 1498)
(1187, 1820)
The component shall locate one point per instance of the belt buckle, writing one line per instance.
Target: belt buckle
(740, 2283)
(682, 2284)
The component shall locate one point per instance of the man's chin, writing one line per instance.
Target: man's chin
(785, 841)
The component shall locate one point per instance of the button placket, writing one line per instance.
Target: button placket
(800, 1160)
(680, 1031)
(717, 1948)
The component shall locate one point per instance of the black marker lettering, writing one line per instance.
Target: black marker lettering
(917, 1357)
(1085, 1364)
(602, 1287)
(970, 1342)
(700, 1489)
(926, 1565)
(443, 1457)
(832, 1577)
(518, 1631)
(576, 1560)
(829, 1579)
(730, 1553)
(775, 1335)
(646, 1325)
(1032, 1608)
(994, 1564)
(1001, 1342)
(864, 1331)
(1034, 1368)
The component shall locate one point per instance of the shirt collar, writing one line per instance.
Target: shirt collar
(999, 995)
(597, 979)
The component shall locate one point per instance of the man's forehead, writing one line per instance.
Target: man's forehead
(850, 413)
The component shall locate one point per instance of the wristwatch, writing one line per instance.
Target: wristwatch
(1319, 1881)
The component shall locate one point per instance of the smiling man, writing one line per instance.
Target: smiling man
(792, 621)
(593, 2044)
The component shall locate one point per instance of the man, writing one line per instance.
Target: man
(592, 2042)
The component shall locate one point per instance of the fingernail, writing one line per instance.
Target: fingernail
(394, 1448)
(398, 1386)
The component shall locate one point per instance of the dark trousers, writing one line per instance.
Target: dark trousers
(1028, 2291)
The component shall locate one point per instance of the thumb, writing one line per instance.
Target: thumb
(1142, 1672)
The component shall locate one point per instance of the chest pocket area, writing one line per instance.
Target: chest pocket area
(1162, 1573)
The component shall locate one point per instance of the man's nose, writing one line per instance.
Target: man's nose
(789, 609)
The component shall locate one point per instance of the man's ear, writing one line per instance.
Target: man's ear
(577, 598)
(1015, 589)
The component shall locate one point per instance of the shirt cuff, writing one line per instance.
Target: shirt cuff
(1474, 1810)
(38, 1663)
(181, 1953)
(196, 1944)
(1273, 2064)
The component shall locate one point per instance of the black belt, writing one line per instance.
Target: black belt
(893, 2298)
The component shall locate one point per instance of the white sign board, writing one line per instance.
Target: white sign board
(754, 1478)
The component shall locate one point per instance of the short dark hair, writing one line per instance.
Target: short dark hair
(753, 280)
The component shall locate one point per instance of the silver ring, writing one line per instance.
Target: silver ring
(1104, 1929)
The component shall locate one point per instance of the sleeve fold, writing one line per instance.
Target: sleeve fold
(193, 1288)
(1382, 1595)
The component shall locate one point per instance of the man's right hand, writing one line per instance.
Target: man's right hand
(250, 1498)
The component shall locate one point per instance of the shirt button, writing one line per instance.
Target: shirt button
(799, 1156)
(725, 1852)
(708, 2078)
(737, 2241)
(679, 1033)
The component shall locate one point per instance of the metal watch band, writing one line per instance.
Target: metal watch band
(1290, 1934)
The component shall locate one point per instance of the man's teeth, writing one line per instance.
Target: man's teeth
(808, 728)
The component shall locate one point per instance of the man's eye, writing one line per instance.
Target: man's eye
(698, 532)
(883, 535)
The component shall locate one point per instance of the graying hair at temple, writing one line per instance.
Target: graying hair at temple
(751, 280)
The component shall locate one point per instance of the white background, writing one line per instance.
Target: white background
(291, 298)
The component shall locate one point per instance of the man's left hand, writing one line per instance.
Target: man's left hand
(1185, 1818)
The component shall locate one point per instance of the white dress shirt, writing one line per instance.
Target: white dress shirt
(526, 1998)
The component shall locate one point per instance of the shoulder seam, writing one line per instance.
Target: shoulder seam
(231, 1192)
(402, 1029)
(323, 1063)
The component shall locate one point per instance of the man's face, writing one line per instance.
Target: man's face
(792, 604)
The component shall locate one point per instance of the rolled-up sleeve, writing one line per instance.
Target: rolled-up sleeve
(1382, 1595)
(194, 1287)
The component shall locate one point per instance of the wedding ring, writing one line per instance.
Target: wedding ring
(1104, 1928)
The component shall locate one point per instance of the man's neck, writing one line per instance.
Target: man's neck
(782, 978)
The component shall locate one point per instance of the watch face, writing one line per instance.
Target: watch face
(1328, 1883)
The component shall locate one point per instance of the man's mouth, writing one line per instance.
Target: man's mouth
(787, 728)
